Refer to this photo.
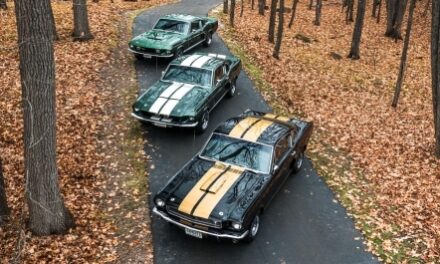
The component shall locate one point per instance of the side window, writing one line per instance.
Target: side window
(218, 74)
(281, 148)
(195, 26)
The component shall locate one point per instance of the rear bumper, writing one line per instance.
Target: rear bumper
(165, 217)
(152, 55)
(163, 124)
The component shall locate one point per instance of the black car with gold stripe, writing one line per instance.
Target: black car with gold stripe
(222, 191)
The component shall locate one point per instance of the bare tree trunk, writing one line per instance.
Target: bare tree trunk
(242, 8)
(252, 4)
(232, 13)
(376, 4)
(310, 4)
(404, 54)
(276, 51)
(47, 212)
(225, 6)
(4, 210)
(292, 18)
(273, 13)
(379, 9)
(54, 26)
(395, 14)
(3, 5)
(318, 12)
(349, 11)
(261, 5)
(81, 29)
(357, 32)
(435, 67)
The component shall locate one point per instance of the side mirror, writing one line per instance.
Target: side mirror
(275, 168)
(163, 73)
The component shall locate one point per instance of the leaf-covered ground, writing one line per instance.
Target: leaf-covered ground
(379, 160)
(100, 157)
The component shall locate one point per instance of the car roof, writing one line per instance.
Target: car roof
(257, 127)
(181, 17)
(206, 61)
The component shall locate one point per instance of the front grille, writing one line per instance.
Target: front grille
(192, 221)
(146, 50)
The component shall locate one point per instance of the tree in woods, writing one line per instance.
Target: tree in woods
(232, 13)
(404, 54)
(318, 12)
(376, 4)
(47, 212)
(81, 29)
(357, 31)
(4, 210)
(310, 4)
(435, 70)
(225, 6)
(292, 17)
(349, 11)
(242, 8)
(395, 14)
(252, 4)
(3, 5)
(276, 50)
(379, 8)
(273, 13)
(261, 6)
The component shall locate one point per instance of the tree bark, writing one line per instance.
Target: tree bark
(379, 9)
(404, 54)
(3, 5)
(276, 51)
(81, 29)
(292, 18)
(273, 13)
(242, 8)
(232, 13)
(318, 12)
(4, 210)
(376, 4)
(435, 67)
(357, 32)
(349, 11)
(310, 4)
(395, 14)
(252, 4)
(261, 5)
(225, 6)
(47, 212)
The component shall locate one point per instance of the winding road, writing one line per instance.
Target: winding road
(304, 223)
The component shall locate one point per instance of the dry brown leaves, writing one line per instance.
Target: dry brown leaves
(83, 132)
(349, 102)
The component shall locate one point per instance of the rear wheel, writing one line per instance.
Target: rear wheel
(253, 229)
(298, 162)
(203, 123)
(232, 89)
(208, 40)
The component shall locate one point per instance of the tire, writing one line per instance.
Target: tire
(178, 53)
(208, 40)
(232, 89)
(203, 123)
(253, 229)
(298, 163)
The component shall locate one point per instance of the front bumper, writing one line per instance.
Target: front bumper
(151, 55)
(163, 124)
(219, 235)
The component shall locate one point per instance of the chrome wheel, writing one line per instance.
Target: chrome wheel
(255, 226)
(297, 164)
(208, 40)
(205, 121)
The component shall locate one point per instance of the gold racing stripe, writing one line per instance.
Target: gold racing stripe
(242, 126)
(197, 191)
(280, 118)
(210, 201)
(256, 130)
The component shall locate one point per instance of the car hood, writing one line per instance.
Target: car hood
(157, 39)
(188, 104)
(229, 197)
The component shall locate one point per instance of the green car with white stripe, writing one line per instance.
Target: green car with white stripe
(174, 35)
(190, 87)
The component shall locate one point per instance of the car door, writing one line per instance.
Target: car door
(219, 86)
(196, 33)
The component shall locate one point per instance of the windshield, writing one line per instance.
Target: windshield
(198, 77)
(238, 152)
(172, 25)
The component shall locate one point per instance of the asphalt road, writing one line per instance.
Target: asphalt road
(304, 223)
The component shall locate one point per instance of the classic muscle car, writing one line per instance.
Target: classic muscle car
(174, 35)
(190, 88)
(222, 191)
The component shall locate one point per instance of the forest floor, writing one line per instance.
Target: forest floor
(100, 149)
(379, 160)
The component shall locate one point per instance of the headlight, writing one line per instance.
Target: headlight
(131, 46)
(158, 51)
(160, 202)
(236, 226)
(191, 118)
(136, 109)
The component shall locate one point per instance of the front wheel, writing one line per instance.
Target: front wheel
(208, 40)
(203, 123)
(232, 89)
(253, 229)
(178, 53)
(298, 162)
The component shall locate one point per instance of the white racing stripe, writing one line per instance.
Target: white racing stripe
(169, 106)
(188, 61)
(182, 92)
(155, 108)
(201, 61)
(171, 89)
(218, 56)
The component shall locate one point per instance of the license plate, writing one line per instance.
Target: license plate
(159, 125)
(193, 233)
(146, 56)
